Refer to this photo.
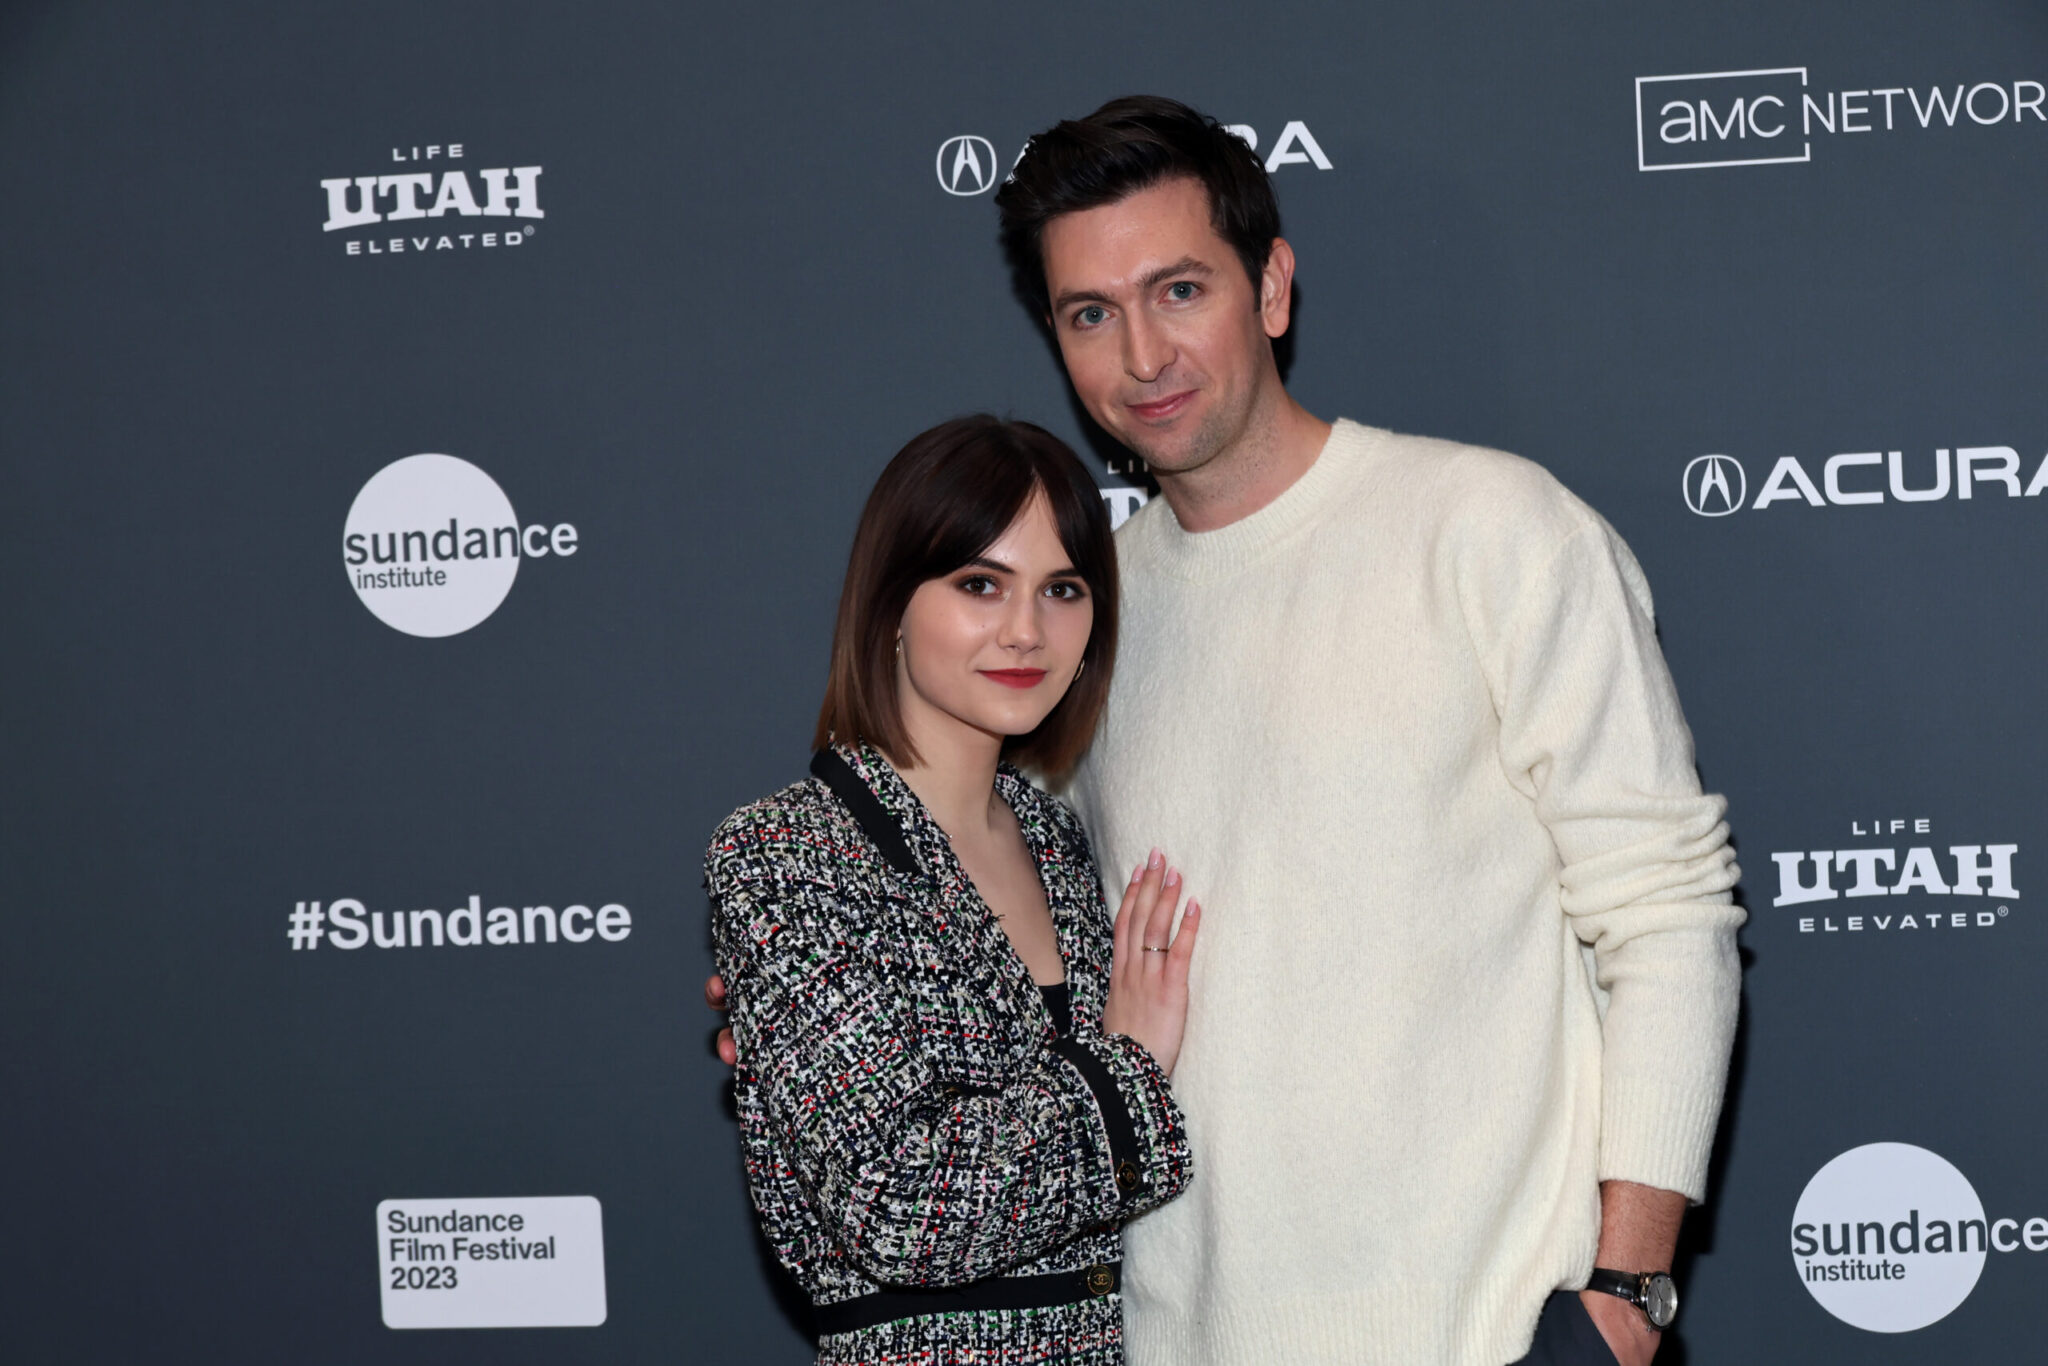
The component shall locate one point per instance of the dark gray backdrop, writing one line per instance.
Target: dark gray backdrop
(749, 287)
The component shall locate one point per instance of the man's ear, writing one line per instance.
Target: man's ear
(1276, 289)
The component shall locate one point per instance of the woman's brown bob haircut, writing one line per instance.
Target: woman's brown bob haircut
(946, 498)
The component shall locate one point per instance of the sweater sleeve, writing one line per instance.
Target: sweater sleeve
(922, 1182)
(1591, 730)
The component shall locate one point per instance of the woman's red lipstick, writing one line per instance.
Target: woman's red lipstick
(1015, 678)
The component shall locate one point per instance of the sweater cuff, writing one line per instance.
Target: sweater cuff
(1658, 1136)
(1148, 1141)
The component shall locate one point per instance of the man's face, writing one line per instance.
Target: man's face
(1163, 335)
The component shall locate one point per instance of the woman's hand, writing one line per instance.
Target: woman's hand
(1148, 973)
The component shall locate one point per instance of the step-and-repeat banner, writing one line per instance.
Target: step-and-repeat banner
(432, 438)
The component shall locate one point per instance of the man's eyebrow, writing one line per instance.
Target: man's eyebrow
(1186, 265)
(1078, 296)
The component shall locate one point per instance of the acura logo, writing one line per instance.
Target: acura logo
(967, 165)
(1715, 485)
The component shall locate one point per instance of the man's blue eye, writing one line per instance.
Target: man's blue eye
(1182, 290)
(1091, 316)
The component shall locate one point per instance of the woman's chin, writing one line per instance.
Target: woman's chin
(1012, 722)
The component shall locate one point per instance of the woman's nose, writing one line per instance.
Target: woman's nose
(1021, 628)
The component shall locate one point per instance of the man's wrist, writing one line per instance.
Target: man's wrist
(1638, 1226)
(1654, 1293)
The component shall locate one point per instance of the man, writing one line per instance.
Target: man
(1397, 708)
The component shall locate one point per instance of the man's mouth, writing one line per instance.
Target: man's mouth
(1159, 410)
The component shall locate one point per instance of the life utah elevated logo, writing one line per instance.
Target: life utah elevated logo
(1897, 878)
(431, 198)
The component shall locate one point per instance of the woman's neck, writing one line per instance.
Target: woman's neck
(955, 776)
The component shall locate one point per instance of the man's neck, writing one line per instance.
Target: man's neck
(1279, 444)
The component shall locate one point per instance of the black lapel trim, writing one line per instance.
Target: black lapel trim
(859, 798)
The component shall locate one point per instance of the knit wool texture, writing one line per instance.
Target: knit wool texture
(1467, 945)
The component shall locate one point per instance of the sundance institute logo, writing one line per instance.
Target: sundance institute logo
(432, 545)
(1889, 1237)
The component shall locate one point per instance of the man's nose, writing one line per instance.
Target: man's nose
(1147, 350)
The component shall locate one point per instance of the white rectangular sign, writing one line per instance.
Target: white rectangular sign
(527, 1261)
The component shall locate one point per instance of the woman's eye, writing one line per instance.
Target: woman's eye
(1070, 592)
(1181, 291)
(980, 584)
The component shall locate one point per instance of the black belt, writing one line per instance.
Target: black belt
(996, 1292)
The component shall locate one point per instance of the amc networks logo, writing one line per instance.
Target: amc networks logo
(1770, 116)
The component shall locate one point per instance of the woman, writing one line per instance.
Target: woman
(952, 1079)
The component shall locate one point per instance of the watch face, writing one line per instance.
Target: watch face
(1660, 1300)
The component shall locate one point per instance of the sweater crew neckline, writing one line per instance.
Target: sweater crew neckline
(1223, 551)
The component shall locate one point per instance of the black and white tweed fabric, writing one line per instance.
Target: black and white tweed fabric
(904, 1118)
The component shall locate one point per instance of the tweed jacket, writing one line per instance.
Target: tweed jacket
(908, 1115)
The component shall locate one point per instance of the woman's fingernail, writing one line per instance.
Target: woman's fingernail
(1154, 859)
(1172, 877)
(1137, 872)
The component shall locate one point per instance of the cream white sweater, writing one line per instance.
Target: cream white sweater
(1409, 732)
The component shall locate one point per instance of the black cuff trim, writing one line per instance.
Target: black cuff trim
(1116, 1116)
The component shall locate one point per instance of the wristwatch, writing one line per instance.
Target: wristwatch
(1653, 1292)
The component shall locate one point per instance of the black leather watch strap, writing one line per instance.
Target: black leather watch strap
(1627, 1284)
(1636, 1288)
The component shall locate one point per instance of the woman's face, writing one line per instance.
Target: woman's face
(995, 644)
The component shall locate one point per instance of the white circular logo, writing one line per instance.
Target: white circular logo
(967, 164)
(1715, 485)
(431, 545)
(1889, 1237)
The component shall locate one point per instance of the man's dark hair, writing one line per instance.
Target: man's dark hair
(1131, 144)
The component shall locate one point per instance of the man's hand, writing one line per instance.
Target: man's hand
(1638, 1232)
(1627, 1332)
(714, 996)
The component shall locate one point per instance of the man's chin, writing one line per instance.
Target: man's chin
(1171, 457)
